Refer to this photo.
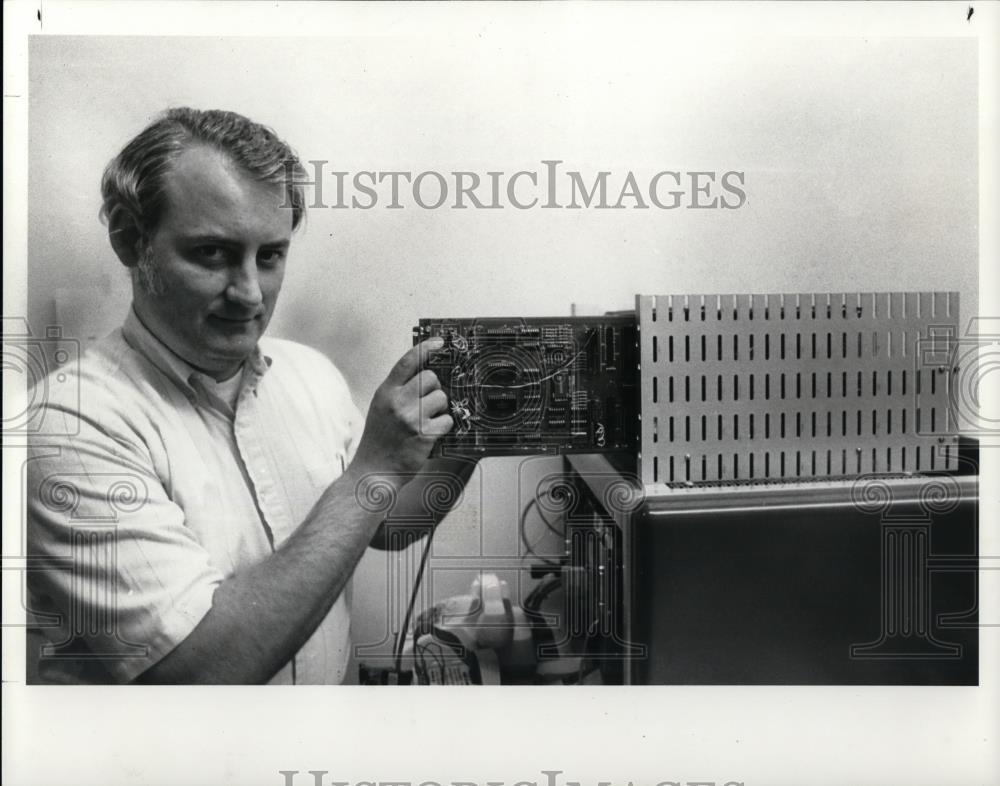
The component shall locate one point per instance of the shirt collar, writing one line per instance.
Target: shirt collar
(179, 371)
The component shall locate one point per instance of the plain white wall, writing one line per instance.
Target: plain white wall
(859, 154)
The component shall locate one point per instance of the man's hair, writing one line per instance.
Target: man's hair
(134, 179)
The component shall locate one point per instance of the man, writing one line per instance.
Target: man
(201, 515)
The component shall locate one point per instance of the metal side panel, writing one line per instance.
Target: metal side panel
(795, 386)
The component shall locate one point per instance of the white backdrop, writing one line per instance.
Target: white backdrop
(860, 160)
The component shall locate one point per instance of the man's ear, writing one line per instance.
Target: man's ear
(126, 235)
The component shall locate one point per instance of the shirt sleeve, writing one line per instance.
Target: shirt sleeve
(126, 580)
(340, 410)
(357, 428)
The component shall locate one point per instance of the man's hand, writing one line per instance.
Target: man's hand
(407, 416)
(289, 593)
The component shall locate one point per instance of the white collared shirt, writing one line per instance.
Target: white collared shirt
(146, 490)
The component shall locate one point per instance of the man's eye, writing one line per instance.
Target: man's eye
(211, 253)
(270, 256)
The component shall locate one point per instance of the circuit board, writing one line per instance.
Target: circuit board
(524, 385)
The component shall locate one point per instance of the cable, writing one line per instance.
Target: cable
(422, 649)
(540, 592)
(545, 520)
(401, 635)
(415, 626)
(419, 661)
(580, 672)
(524, 535)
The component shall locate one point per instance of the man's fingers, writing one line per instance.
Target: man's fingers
(427, 382)
(408, 365)
(439, 426)
(433, 404)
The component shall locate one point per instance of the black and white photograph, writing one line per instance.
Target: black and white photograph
(621, 375)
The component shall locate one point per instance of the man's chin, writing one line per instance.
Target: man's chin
(235, 346)
(233, 339)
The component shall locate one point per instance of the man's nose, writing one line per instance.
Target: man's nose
(244, 285)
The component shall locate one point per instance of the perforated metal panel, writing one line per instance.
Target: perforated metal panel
(776, 388)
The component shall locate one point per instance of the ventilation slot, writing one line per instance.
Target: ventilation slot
(795, 385)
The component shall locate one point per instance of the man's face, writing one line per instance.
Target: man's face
(214, 265)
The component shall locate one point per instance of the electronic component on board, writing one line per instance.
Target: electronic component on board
(524, 385)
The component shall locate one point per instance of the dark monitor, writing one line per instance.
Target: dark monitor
(826, 585)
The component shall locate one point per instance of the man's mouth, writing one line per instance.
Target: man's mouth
(228, 323)
(236, 319)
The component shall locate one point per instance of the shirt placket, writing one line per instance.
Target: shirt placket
(256, 458)
(252, 447)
